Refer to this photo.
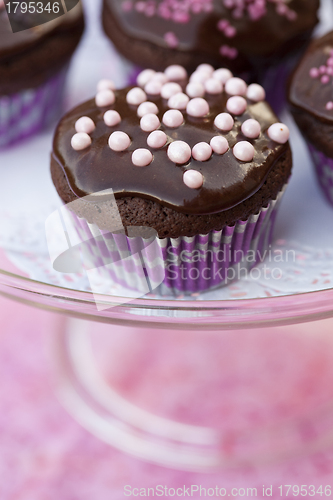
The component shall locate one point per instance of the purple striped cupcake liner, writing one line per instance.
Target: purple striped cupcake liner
(184, 265)
(324, 171)
(31, 110)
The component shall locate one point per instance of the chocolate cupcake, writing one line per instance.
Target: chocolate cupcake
(311, 100)
(201, 165)
(33, 65)
(256, 38)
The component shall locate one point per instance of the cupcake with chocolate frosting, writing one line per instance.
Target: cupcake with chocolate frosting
(33, 65)
(203, 165)
(311, 99)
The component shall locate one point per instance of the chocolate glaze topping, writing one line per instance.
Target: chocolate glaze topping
(227, 181)
(311, 87)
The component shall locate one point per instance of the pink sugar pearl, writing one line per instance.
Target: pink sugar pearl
(278, 132)
(159, 77)
(111, 118)
(236, 105)
(202, 151)
(179, 152)
(85, 124)
(147, 107)
(105, 85)
(175, 72)
(119, 141)
(195, 89)
(105, 98)
(173, 118)
(325, 79)
(157, 139)
(236, 86)
(193, 179)
(251, 128)
(200, 76)
(142, 157)
(169, 89)
(329, 106)
(153, 87)
(206, 68)
(197, 107)
(223, 75)
(178, 101)
(145, 76)
(224, 122)
(213, 86)
(243, 151)
(219, 144)
(149, 122)
(80, 141)
(136, 96)
(256, 92)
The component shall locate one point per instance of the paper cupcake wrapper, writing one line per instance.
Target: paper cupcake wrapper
(324, 170)
(29, 111)
(181, 265)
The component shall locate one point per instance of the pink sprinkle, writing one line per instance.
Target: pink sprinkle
(175, 72)
(202, 151)
(224, 122)
(322, 69)
(80, 141)
(325, 79)
(219, 144)
(153, 87)
(170, 89)
(330, 61)
(329, 106)
(145, 76)
(142, 157)
(314, 72)
(230, 31)
(256, 92)
(85, 124)
(236, 86)
(195, 89)
(236, 105)
(111, 118)
(178, 101)
(157, 139)
(179, 152)
(136, 96)
(278, 132)
(200, 76)
(105, 98)
(222, 24)
(147, 107)
(198, 107)
(243, 151)
(206, 68)
(228, 52)
(159, 77)
(251, 128)
(213, 86)
(149, 122)
(193, 179)
(171, 40)
(119, 141)
(222, 74)
(105, 85)
(173, 118)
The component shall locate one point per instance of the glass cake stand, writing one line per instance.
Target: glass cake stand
(294, 290)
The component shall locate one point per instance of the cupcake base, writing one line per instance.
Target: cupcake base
(324, 171)
(30, 111)
(177, 266)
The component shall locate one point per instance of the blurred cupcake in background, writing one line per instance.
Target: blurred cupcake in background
(33, 66)
(311, 100)
(256, 39)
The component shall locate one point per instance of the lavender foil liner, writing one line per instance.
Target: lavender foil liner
(324, 171)
(31, 110)
(184, 265)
